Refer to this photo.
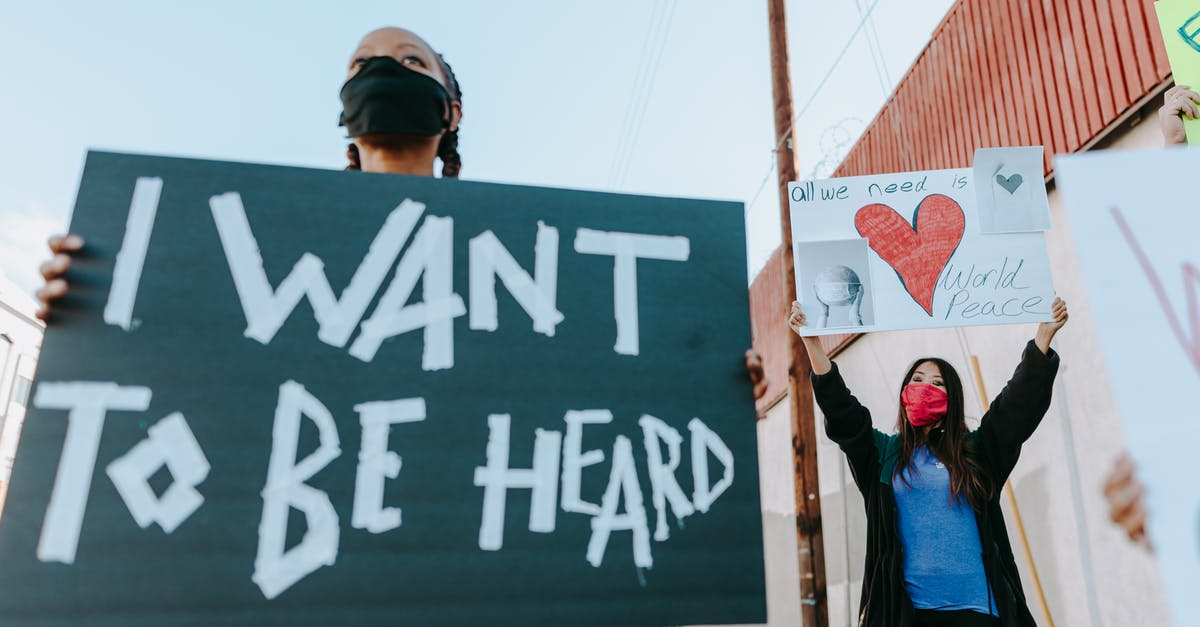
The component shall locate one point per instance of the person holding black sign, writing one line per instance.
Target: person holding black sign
(401, 105)
(937, 550)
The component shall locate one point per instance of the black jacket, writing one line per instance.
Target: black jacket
(1013, 416)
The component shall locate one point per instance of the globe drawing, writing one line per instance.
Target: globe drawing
(837, 286)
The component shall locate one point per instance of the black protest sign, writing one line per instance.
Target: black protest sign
(310, 397)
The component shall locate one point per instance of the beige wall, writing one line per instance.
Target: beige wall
(1090, 574)
(17, 360)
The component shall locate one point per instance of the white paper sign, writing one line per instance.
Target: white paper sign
(911, 250)
(1135, 224)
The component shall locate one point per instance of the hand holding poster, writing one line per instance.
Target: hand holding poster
(1179, 21)
(927, 249)
(306, 397)
(1134, 223)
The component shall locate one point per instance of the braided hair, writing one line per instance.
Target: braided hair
(448, 145)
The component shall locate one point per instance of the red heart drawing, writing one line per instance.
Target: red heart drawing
(917, 252)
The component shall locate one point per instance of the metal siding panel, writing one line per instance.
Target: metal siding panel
(1073, 79)
(1030, 78)
(984, 120)
(1096, 48)
(903, 143)
(962, 103)
(1095, 115)
(1040, 49)
(934, 138)
(1062, 82)
(878, 159)
(1004, 79)
(1161, 63)
(869, 149)
(869, 157)
(885, 154)
(962, 100)
(923, 110)
(1124, 36)
(965, 48)
(1112, 60)
(1142, 48)
(991, 74)
(947, 108)
(888, 140)
(883, 139)
(864, 154)
(1015, 78)
(949, 105)
(904, 147)
(903, 115)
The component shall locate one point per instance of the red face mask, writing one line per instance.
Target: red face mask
(924, 404)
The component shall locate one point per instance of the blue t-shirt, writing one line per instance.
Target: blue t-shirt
(943, 563)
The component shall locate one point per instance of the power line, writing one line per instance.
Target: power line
(874, 33)
(652, 50)
(871, 43)
(837, 61)
(879, 62)
(666, 32)
(626, 122)
(816, 92)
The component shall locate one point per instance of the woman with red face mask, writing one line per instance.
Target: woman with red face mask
(937, 549)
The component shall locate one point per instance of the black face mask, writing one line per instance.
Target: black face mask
(386, 97)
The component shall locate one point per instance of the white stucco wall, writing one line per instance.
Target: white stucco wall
(17, 360)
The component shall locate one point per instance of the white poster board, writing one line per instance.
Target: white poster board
(940, 248)
(1135, 223)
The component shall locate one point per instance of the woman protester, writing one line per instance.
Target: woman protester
(937, 549)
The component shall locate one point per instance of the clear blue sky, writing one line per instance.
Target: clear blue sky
(665, 97)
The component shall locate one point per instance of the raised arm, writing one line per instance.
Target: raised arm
(847, 422)
(1018, 409)
(812, 344)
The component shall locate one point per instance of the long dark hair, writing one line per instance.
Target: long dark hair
(948, 441)
(447, 146)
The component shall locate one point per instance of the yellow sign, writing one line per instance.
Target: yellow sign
(1180, 24)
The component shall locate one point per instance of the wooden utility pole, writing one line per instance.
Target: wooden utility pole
(809, 539)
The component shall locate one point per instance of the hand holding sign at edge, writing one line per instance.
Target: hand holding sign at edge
(1047, 330)
(1179, 101)
(62, 247)
(1126, 506)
